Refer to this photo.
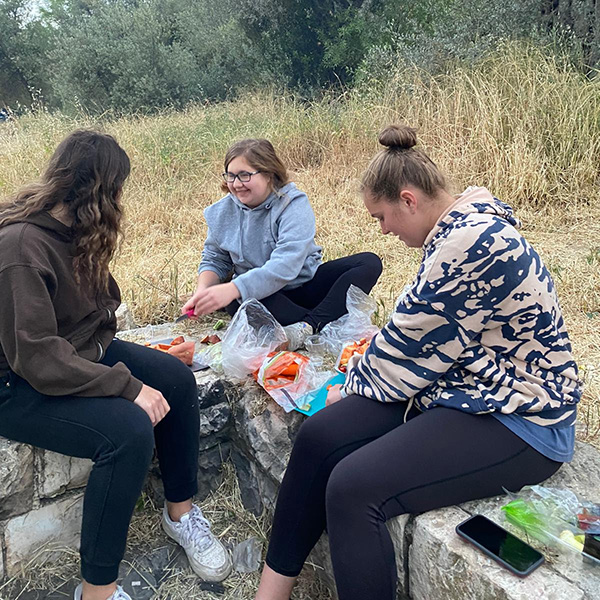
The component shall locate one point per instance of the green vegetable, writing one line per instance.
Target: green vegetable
(219, 325)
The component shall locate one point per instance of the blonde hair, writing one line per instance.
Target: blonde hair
(262, 157)
(399, 165)
(86, 173)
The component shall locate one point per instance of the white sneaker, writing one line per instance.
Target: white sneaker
(119, 594)
(208, 557)
(297, 333)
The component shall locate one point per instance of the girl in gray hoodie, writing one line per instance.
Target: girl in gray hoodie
(261, 236)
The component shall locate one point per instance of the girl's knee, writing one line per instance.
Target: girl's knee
(178, 382)
(140, 438)
(314, 439)
(343, 487)
(372, 263)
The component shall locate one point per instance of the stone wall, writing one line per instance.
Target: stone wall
(41, 498)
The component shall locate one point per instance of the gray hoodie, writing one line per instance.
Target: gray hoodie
(268, 248)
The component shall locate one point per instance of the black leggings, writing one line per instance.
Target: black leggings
(323, 298)
(118, 436)
(356, 464)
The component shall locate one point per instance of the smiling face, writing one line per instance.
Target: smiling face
(251, 193)
(409, 218)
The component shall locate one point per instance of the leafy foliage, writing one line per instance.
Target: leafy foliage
(122, 56)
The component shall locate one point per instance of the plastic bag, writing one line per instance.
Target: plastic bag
(557, 518)
(252, 334)
(348, 351)
(287, 377)
(355, 324)
(246, 555)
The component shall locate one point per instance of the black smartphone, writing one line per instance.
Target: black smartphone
(501, 545)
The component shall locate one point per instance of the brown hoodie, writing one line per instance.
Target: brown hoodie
(53, 333)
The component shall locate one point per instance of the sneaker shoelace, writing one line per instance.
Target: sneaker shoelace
(195, 531)
(120, 595)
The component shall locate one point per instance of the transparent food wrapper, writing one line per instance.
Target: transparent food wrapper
(355, 324)
(349, 350)
(289, 378)
(252, 334)
(557, 518)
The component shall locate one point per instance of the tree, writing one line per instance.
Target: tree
(23, 43)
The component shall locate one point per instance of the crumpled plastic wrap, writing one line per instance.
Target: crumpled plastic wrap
(355, 324)
(288, 377)
(252, 334)
(557, 518)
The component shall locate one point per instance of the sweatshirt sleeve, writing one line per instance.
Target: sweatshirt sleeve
(35, 352)
(214, 258)
(413, 350)
(295, 239)
(469, 279)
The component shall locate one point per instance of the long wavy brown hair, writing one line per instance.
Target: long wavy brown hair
(86, 174)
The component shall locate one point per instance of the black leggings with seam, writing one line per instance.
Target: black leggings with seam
(323, 298)
(356, 464)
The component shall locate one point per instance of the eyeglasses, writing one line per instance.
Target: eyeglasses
(243, 176)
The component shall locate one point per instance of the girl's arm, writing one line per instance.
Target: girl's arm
(35, 351)
(204, 301)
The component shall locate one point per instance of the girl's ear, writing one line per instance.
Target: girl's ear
(409, 200)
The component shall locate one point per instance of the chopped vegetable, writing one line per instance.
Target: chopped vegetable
(219, 325)
(349, 350)
(210, 339)
(179, 348)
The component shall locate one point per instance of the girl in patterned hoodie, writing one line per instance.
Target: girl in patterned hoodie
(470, 389)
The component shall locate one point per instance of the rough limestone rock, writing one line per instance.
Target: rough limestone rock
(56, 473)
(56, 524)
(125, 318)
(214, 422)
(16, 478)
(444, 567)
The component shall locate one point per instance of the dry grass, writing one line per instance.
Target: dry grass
(230, 521)
(522, 124)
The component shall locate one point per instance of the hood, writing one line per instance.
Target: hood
(473, 200)
(289, 190)
(45, 221)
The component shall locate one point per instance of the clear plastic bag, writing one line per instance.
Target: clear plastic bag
(355, 324)
(246, 555)
(557, 518)
(252, 334)
(288, 377)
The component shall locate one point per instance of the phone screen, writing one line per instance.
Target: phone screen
(501, 543)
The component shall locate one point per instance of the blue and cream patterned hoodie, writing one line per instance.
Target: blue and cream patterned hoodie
(480, 328)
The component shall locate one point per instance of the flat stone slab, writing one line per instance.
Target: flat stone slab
(444, 567)
(35, 533)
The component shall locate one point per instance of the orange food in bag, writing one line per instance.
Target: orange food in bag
(282, 369)
(359, 347)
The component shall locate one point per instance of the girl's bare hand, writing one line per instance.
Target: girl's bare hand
(153, 403)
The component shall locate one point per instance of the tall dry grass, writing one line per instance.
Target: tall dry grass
(522, 123)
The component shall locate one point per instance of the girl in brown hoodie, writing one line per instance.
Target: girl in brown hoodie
(67, 385)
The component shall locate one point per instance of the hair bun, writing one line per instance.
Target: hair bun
(398, 137)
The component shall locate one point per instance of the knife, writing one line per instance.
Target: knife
(188, 315)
